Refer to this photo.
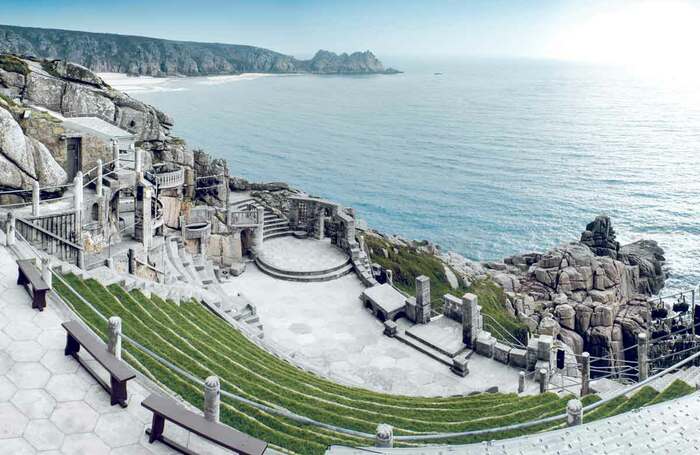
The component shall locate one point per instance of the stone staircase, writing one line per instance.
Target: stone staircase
(305, 277)
(363, 265)
(274, 224)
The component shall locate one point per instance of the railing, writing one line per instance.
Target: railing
(51, 243)
(244, 218)
(168, 179)
(504, 336)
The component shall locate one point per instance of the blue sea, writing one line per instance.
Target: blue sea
(489, 159)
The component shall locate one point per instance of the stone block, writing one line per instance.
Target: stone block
(544, 347)
(484, 344)
(518, 358)
(603, 316)
(460, 365)
(411, 309)
(390, 328)
(501, 353)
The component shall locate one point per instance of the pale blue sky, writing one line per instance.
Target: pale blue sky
(388, 27)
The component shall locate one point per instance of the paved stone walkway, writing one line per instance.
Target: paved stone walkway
(302, 255)
(49, 404)
(666, 428)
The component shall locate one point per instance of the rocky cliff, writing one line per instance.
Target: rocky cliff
(102, 52)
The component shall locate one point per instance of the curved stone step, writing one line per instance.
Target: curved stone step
(302, 273)
(347, 269)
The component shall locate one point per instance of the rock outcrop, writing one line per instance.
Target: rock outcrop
(103, 52)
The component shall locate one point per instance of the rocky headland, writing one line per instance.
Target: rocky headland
(111, 53)
(593, 294)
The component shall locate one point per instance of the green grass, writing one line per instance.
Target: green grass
(13, 64)
(407, 263)
(675, 390)
(196, 340)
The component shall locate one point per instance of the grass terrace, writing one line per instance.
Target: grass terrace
(193, 338)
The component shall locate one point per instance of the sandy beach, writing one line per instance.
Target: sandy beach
(142, 84)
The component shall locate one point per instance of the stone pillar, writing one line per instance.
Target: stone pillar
(115, 154)
(574, 413)
(142, 215)
(114, 337)
(212, 398)
(385, 436)
(10, 229)
(643, 355)
(521, 382)
(422, 299)
(189, 183)
(389, 276)
(78, 202)
(320, 226)
(46, 274)
(585, 373)
(544, 379)
(138, 163)
(98, 179)
(36, 195)
(470, 319)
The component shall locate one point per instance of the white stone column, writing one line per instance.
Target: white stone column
(574, 413)
(470, 319)
(10, 229)
(138, 164)
(384, 436)
(521, 382)
(212, 398)
(115, 154)
(98, 179)
(423, 306)
(46, 274)
(114, 337)
(78, 201)
(544, 380)
(36, 195)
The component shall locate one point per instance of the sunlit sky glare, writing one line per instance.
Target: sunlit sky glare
(663, 32)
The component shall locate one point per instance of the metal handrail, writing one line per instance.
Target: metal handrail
(518, 343)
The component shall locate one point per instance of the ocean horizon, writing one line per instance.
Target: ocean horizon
(488, 159)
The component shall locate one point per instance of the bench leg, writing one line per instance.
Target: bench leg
(118, 392)
(157, 425)
(72, 345)
(22, 279)
(39, 300)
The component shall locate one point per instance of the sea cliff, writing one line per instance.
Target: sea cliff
(102, 52)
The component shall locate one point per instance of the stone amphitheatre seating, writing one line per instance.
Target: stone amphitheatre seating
(194, 339)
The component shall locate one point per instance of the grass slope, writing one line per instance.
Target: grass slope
(407, 263)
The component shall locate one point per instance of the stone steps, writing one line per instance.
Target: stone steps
(285, 233)
(424, 348)
(308, 277)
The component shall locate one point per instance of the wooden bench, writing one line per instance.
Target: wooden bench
(30, 278)
(168, 409)
(76, 336)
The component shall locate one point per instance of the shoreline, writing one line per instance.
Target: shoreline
(142, 84)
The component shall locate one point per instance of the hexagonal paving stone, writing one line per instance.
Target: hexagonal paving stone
(135, 449)
(7, 389)
(99, 399)
(74, 417)
(48, 320)
(43, 435)
(4, 341)
(58, 363)
(22, 331)
(25, 351)
(53, 339)
(67, 387)
(83, 444)
(119, 429)
(16, 447)
(6, 362)
(34, 403)
(18, 313)
(12, 421)
(28, 375)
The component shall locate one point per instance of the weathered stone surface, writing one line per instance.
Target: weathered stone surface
(572, 339)
(81, 100)
(549, 326)
(48, 171)
(566, 315)
(13, 144)
(599, 236)
(501, 353)
(75, 72)
(44, 91)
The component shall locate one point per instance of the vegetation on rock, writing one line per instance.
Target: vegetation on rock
(13, 64)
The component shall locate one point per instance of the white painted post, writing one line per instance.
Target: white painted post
(98, 180)
(521, 382)
(212, 398)
(10, 229)
(114, 340)
(543, 380)
(36, 194)
(384, 436)
(574, 413)
(46, 274)
(115, 154)
(138, 165)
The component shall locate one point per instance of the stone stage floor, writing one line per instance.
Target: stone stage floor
(325, 325)
(302, 255)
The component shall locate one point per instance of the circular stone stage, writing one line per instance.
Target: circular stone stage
(293, 259)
